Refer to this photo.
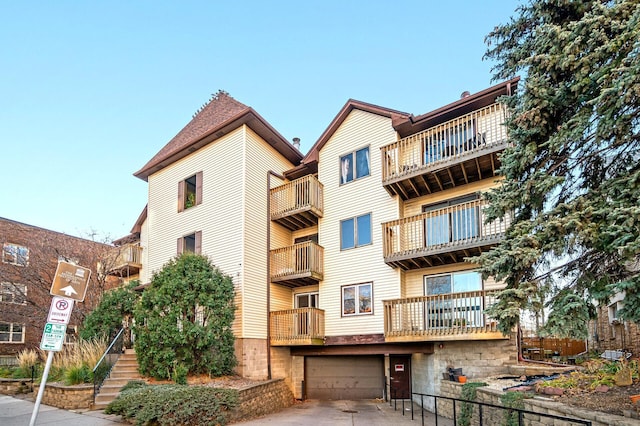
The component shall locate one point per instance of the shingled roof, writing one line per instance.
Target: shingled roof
(221, 115)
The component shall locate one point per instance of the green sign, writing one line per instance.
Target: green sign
(53, 337)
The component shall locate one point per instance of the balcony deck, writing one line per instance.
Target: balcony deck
(297, 204)
(451, 154)
(444, 317)
(297, 265)
(440, 237)
(297, 327)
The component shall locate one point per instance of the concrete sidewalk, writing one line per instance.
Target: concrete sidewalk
(17, 411)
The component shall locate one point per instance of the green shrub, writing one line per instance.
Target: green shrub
(180, 373)
(512, 400)
(174, 405)
(133, 384)
(468, 393)
(77, 375)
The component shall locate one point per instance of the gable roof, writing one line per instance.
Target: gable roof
(221, 115)
(309, 163)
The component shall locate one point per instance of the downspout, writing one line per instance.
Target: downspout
(269, 174)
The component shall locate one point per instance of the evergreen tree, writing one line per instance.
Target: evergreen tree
(572, 175)
(183, 320)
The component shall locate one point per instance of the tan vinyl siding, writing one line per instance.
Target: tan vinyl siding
(365, 195)
(491, 284)
(145, 276)
(414, 207)
(260, 157)
(281, 298)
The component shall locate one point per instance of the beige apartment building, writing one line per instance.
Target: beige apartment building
(348, 262)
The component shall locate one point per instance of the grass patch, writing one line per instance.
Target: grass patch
(174, 404)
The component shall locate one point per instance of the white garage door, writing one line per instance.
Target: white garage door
(344, 377)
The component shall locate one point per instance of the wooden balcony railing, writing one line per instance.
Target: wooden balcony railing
(127, 257)
(298, 204)
(302, 326)
(453, 316)
(453, 153)
(458, 227)
(297, 265)
(478, 130)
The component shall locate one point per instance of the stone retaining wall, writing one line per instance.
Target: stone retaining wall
(66, 397)
(262, 399)
(15, 386)
(536, 404)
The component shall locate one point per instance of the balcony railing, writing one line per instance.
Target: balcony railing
(297, 204)
(440, 236)
(297, 265)
(469, 142)
(302, 326)
(128, 258)
(453, 316)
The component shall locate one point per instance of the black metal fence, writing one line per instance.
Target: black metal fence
(513, 414)
(103, 368)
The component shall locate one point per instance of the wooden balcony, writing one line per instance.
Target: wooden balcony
(127, 261)
(297, 204)
(297, 265)
(440, 237)
(451, 154)
(454, 316)
(297, 327)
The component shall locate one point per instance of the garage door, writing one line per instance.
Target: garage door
(344, 377)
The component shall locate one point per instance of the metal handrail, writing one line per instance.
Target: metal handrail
(115, 347)
(521, 412)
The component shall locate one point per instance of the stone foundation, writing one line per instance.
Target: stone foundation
(536, 404)
(252, 358)
(66, 397)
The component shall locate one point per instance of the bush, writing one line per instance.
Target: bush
(174, 404)
(78, 374)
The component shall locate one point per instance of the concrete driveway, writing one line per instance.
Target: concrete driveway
(345, 413)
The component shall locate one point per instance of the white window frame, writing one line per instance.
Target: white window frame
(356, 232)
(313, 298)
(10, 291)
(11, 254)
(347, 168)
(11, 332)
(357, 308)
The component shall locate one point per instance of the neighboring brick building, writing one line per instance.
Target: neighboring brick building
(28, 263)
(608, 332)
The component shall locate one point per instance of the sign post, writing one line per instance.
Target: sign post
(69, 284)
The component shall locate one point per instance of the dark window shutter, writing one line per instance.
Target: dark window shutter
(199, 242)
(198, 188)
(181, 196)
(180, 245)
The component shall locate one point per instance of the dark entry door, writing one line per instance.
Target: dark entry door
(400, 376)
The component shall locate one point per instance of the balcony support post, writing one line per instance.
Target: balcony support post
(279, 176)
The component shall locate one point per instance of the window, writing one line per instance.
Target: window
(453, 220)
(449, 309)
(190, 192)
(307, 300)
(357, 299)
(13, 293)
(355, 232)
(15, 254)
(71, 336)
(360, 159)
(11, 332)
(191, 243)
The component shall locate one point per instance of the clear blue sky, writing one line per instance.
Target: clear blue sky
(90, 91)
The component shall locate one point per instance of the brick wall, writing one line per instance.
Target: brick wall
(15, 386)
(606, 336)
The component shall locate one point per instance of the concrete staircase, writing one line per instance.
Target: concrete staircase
(125, 370)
